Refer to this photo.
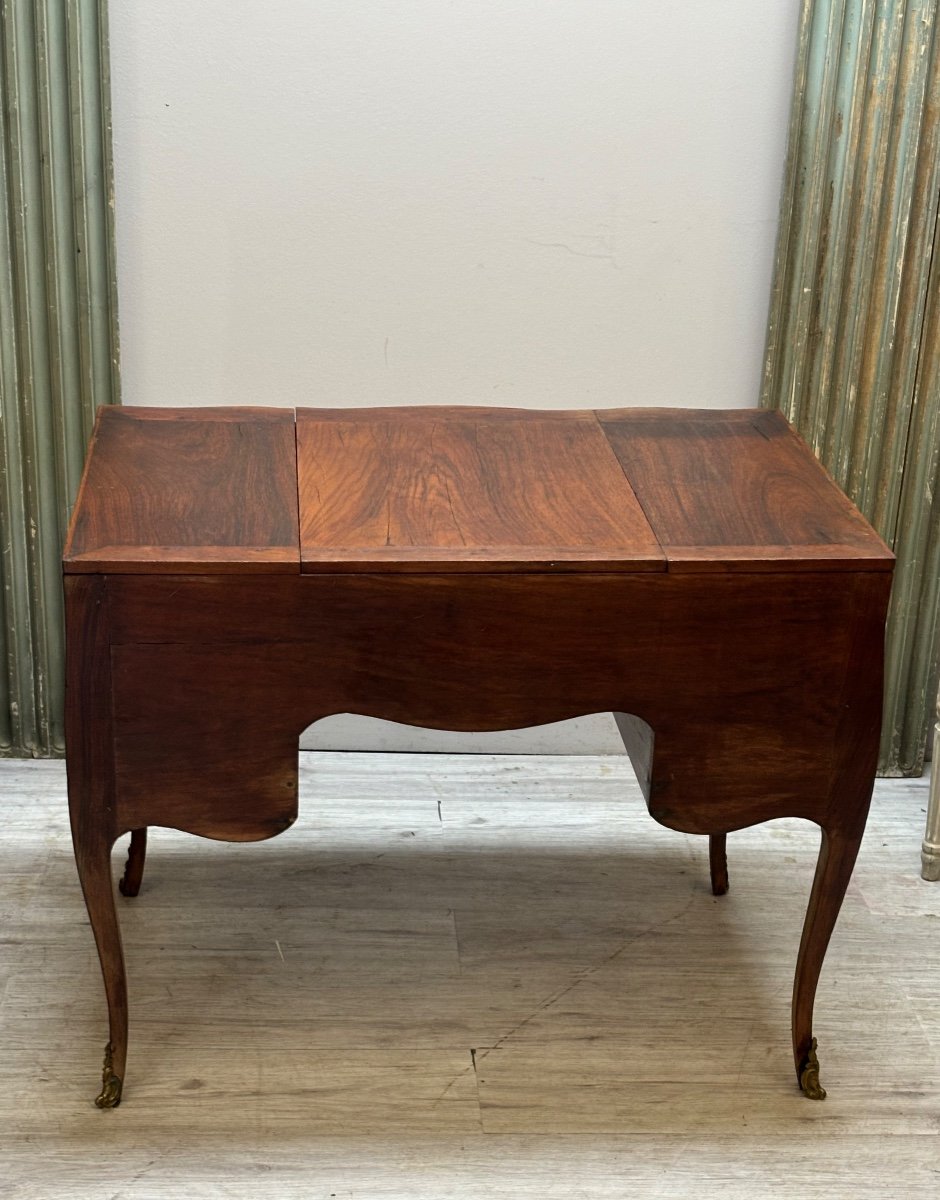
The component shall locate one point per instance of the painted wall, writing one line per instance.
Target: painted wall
(533, 202)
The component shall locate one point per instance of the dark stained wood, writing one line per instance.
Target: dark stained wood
(744, 735)
(718, 862)
(739, 491)
(837, 855)
(456, 489)
(190, 489)
(92, 802)
(855, 759)
(130, 881)
(481, 570)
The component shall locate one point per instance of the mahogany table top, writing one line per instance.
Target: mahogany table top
(453, 489)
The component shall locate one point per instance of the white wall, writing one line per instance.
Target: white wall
(530, 202)
(533, 202)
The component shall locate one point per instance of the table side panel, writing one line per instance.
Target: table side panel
(449, 489)
(739, 490)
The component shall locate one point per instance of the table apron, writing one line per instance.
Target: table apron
(751, 693)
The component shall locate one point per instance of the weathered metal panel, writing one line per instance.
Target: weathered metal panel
(58, 333)
(912, 666)
(847, 333)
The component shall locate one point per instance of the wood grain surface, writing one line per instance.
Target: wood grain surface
(689, 655)
(174, 489)
(739, 490)
(458, 489)
(89, 736)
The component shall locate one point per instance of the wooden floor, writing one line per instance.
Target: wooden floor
(468, 976)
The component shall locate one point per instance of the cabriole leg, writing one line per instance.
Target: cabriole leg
(90, 746)
(837, 854)
(130, 881)
(93, 859)
(718, 862)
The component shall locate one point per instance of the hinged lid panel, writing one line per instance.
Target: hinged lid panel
(465, 489)
(739, 491)
(170, 490)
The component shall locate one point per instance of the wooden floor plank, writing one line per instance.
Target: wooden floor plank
(466, 975)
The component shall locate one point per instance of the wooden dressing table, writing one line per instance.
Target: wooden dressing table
(232, 575)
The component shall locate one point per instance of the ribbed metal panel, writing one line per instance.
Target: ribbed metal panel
(914, 650)
(58, 332)
(851, 349)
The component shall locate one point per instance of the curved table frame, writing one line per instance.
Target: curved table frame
(740, 697)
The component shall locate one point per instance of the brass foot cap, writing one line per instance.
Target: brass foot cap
(809, 1075)
(110, 1095)
(111, 1084)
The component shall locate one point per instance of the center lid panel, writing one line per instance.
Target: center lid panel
(444, 489)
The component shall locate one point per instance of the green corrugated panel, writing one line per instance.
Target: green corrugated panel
(850, 359)
(58, 331)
